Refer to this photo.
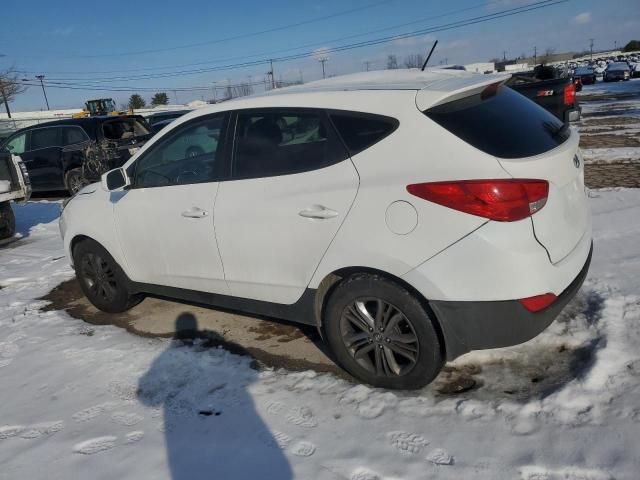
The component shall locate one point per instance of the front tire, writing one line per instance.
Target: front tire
(382, 334)
(101, 278)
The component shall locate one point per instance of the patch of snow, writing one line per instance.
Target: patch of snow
(562, 406)
(610, 155)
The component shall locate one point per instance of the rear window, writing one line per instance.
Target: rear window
(503, 123)
(124, 128)
(360, 131)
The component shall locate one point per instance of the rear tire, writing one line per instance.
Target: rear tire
(382, 334)
(7, 221)
(101, 278)
(74, 181)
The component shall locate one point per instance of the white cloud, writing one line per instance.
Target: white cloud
(582, 18)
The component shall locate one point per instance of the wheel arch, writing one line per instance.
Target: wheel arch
(331, 281)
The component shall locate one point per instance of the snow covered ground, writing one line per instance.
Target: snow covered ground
(83, 401)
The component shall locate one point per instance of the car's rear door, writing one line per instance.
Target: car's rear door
(43, 158)
(292, 186)
(165, 221)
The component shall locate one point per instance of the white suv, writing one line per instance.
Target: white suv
(411, 216)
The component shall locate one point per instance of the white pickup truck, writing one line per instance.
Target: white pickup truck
(14, 185)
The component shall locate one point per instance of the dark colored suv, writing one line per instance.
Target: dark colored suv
(68, 154)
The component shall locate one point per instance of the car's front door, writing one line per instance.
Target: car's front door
(292, 186)
(165, 220)
(43, 158)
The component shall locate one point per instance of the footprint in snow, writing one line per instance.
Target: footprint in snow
(126, 419)
(275, 439)
(440, 456)
(364, 474)
(92, 412)
(41, 429)
(133, 437)
(303, 449)
(95, 445)
(407, 443)
(300, 416)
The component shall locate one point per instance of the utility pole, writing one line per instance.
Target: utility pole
(591, 48)
(175, 94)
(535, 56)
(366, 65)
(323, 60)
(273, 78)
(41, 78)
(615, 45)
(504, 55)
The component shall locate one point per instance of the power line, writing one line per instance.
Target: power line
(365, 43)
(453, 25)
(289, 49)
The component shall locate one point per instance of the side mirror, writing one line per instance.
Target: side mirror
(115, 180)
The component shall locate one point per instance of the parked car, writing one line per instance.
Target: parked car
(635, 70)
(68, 154)
(586, 75)
(617, 71)
(159, 120)
(411, 217)
(14, 186)
(557, 95)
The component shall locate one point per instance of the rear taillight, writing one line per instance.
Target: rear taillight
(502, 200)
(537, 303)
(569, 94)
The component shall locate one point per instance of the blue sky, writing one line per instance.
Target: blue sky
(76, 41)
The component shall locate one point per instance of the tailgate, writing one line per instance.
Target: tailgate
(563, 221)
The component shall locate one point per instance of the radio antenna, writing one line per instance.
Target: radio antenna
(424, 65)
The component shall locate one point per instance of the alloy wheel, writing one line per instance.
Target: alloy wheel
(379, 337)
(99, 277)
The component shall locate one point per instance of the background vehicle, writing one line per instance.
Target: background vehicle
(67, 154)
(617, 71)
(397, 218)
(14, 186)
(99, 107)
(586, 75)
(556, 95)
(159, 120)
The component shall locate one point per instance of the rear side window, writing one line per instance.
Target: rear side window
(45, 137)
(73, 135)
(281, 142)
(360, 131)
(502, 123)
(123, 129)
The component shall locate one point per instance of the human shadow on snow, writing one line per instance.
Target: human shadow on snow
(211, 427)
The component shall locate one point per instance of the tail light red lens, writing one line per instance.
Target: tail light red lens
(569, 94)
(537, 303)
(502, 200)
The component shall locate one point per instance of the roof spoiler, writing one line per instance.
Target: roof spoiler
(454, 88)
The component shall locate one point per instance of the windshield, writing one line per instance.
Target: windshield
(124, 128)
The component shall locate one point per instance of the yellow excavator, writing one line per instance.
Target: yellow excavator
(99, 107)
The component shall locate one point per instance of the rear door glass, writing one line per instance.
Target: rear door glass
(282, 142)
(45, 137)
(73, 135)
(360, 131)
(124, 129)
(502, 123)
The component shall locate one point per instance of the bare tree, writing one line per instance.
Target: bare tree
(242, 90)
(414, 61)
(9, 88)
(392, 62)
(548, 55)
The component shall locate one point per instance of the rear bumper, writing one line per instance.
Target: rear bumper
(573, 115)
(494, 324)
